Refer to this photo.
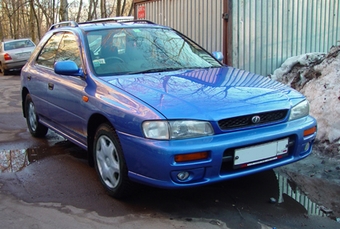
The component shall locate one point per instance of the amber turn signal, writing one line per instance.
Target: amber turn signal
(191, 157)
(309, 131)
(85, 98)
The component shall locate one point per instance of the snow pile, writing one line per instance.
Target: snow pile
(292, 72)
(317, 76)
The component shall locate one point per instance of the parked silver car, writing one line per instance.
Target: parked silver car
(14, 54)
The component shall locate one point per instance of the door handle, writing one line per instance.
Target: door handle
(50, 86)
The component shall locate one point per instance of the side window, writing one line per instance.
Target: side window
(68, 49)
(48, 53)
(29, 43)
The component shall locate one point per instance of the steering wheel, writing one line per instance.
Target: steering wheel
(114, 58)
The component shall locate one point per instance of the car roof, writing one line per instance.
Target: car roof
(105, 23)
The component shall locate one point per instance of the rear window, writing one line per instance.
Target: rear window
(18, 44)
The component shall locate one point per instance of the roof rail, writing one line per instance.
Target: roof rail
(142, 21)
(126, 19)
(112, 19)
(64, 23)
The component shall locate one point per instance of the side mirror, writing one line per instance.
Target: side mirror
(67, 67)
(218, 55)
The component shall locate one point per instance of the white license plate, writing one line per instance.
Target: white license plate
(23, 54)
(262, 153)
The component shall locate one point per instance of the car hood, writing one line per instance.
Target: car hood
(207, 94)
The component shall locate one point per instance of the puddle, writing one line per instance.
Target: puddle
(16, 160)
(312, 208)
(13, 160)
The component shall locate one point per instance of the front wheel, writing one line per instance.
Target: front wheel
(36, 129)
(110, 163)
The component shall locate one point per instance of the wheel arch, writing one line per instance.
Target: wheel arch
(94, 122)
(24, 93)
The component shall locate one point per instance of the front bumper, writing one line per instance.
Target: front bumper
(152, 162)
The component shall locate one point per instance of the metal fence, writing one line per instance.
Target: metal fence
(260, 34)
(267, 32)
(198, 19)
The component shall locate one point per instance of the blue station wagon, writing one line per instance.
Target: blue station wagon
(151, 106)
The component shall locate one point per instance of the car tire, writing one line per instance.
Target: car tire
(34, 126)
(6, 72)
(109, 162)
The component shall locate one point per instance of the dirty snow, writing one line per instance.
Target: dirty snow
(317, 76)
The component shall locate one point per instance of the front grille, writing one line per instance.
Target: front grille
(245, 121)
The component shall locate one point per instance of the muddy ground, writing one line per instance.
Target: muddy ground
(316, 75)
(318, 176)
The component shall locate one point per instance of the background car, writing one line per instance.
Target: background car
(14, 54)
(151, 106)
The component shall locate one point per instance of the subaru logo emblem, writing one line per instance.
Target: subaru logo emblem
(255, 119)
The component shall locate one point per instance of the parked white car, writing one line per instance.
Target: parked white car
(14, 54)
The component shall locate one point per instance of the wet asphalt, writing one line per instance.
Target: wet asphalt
(47, 183)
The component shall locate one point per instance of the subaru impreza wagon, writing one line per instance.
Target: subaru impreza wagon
(151, 106)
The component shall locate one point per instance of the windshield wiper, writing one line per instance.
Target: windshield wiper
(200, 67)
(153, 70)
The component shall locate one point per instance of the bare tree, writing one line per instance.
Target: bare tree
(103, 13)
(119, 8)
(63, 11)
(122, 8)
(92, 12)
(32, 18)
(79, 10)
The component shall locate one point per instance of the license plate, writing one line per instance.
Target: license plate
(23, 54)
(261, 153)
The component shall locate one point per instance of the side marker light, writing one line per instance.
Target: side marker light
(85, 98)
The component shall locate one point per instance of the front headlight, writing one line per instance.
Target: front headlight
(300, 110)
(177, 129)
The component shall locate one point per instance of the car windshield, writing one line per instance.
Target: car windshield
(18, 44)
(142, 50)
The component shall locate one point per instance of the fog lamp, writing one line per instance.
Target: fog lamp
(307, 146)
(183, 175)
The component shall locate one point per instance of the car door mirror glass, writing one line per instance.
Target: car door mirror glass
(67, 67)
